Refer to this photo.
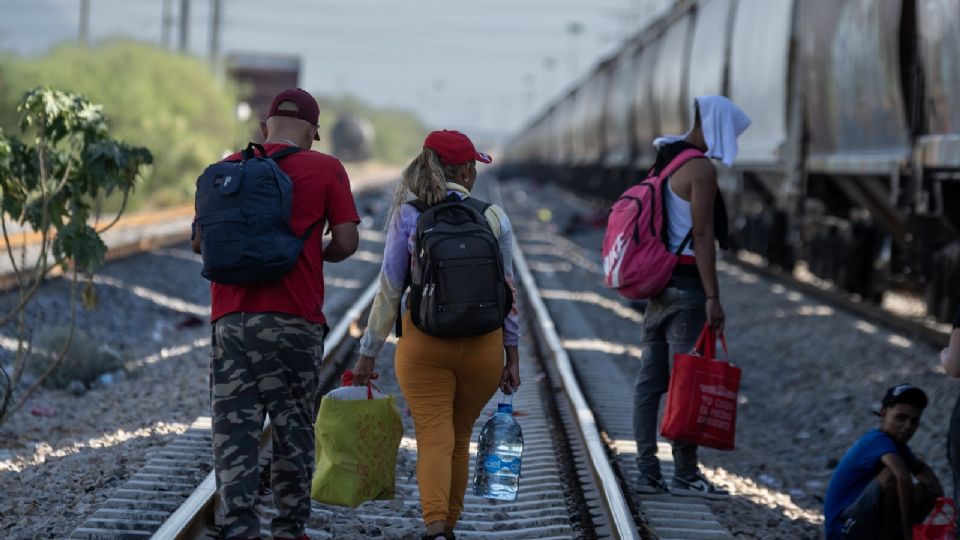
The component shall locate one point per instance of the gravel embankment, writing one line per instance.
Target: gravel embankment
(62, 454)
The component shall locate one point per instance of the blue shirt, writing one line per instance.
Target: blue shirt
(859, 466)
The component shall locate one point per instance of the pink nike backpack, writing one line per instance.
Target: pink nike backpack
(636, 261)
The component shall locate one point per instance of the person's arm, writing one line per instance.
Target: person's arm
(393, 275)
(927, 477)
(510, 377)
(951, 355)
(343, 242)
(703, 190)
(904, 481)
(340, 211)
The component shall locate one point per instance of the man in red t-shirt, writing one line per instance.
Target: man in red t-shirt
(268, 338)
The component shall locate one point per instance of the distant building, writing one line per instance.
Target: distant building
(261, 76)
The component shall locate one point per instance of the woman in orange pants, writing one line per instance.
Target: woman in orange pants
(445, 380)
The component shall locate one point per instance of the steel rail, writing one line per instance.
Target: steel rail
(189, 519)
(623, 525)
(120, 250)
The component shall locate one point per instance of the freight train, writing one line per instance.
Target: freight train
(852, 163)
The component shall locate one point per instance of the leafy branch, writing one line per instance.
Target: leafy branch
(48, 178)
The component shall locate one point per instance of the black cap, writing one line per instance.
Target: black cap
(904, 393)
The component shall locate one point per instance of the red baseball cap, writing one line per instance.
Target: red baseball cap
(454, 147)
(307, 108)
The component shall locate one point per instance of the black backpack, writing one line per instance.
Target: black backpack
(456, 281)
(243, 208)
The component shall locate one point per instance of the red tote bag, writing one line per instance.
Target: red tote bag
(702, 397)
(940, 524)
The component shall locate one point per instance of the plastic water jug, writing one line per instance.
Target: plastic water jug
(497, 473)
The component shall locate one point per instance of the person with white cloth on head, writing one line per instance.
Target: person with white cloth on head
(674, 318)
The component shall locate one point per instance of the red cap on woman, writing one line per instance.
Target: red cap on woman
(454, 147)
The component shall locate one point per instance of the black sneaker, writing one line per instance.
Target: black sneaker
(697, 486)
(652, 485)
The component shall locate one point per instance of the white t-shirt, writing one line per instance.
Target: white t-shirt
(679, 221)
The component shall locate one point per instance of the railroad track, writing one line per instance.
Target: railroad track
(569, 488)
(585, 492)
(131, 235)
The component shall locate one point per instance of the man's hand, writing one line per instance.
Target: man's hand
(929, 480)
(363, 370)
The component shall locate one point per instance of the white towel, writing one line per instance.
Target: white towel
(722, 122)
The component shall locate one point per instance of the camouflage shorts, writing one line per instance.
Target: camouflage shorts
(264, 364)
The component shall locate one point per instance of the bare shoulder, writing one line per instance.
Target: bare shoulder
(696, 172)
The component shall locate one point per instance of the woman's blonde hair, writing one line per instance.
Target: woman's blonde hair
(426, 179)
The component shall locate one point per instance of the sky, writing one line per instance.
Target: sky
(486, 66)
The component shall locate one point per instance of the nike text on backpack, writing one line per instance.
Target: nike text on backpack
(243, 210)
(636, 260)
(456, 281)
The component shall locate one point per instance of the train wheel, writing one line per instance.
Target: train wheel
(933, 291)
(816, 253)
(841, 250)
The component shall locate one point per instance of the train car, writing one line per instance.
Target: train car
(852, 163)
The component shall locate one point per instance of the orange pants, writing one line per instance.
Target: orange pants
(446, 382)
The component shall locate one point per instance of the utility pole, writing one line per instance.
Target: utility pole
(166, 23)
(84, 22)
(215, 18)
(184, 25)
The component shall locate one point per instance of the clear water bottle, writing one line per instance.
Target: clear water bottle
(497, 473)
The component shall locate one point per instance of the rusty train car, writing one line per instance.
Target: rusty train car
(262, 76)
(852, 163)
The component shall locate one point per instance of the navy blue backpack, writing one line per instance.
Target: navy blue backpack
(243, 210)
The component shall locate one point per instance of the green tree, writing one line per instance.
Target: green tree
(48, 180)
(171, 104)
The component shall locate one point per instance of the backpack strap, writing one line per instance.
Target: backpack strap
(482, 207)
(398, 324)
(477, 204)
(418, 204)
(277, 156)
(283, 152)
(251, 152)
(680, 160)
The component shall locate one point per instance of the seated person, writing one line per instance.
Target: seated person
(872, 493)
